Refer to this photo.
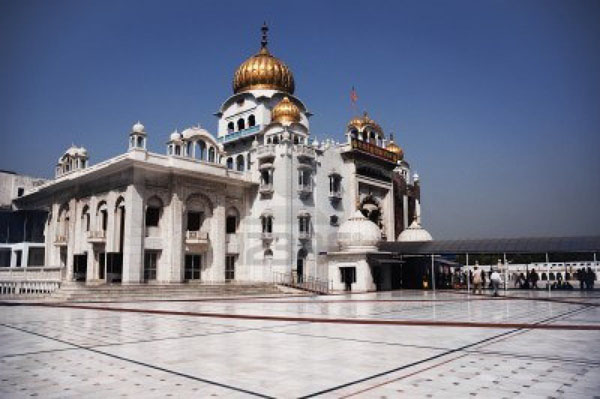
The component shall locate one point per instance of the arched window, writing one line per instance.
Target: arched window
(177, 150)
(239, 161)
(275, 140)
(229, 163)
(189, 149)
(102, 214)
(140, 141)
(153, 214)
(268, 254)
(85, 218)
(230, 127)
(211, 154)
(296, 139)
(241, 125)
(202, 150)
(251, 121)
(267, 223)
(232, 221)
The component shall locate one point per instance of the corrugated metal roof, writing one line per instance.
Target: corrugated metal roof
(501, 245)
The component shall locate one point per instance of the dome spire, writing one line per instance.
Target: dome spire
(265, 30)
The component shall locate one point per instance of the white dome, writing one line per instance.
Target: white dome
(415, 233)
(194, 131)
(175, 136)
(358, 234)
(138, 128)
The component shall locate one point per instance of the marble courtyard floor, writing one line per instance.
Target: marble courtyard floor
(384, 345)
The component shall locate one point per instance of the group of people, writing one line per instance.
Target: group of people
(478, 280)
(586, 278)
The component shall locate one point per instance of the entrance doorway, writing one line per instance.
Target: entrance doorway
(193, 266)
(80, 267)
(300, 262)
(348, 277)
(230, 267)
(114, 267)
(150, 265)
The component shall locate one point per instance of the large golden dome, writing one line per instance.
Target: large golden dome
(262, 71)
(361, 122)
(285, 112)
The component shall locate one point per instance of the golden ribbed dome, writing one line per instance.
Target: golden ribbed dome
(263, 72)
(395, 148)
(361, 122)
(285, 112)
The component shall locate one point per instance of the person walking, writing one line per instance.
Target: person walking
(590, 277)
(477, 280)
(534, 279)
(581, 277)
(495, 280)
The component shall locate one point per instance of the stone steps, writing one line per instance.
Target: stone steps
(76, 292)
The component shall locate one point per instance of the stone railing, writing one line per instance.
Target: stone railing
(196, 238)
(60, 240)
(98, 236)
(26, 281)
(28, 288)
(305, 190)
(304, 235)
(304, 151)
(31, 273)
(335, 195)
(266, 189)
(265, 151)
(267, 236)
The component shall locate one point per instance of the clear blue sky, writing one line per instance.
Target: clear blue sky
(496, 103)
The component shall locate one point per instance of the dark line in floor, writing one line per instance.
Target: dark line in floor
(384, 322)
(242, 390)
(434, 357)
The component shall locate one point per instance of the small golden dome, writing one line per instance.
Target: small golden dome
(361, 122)
(285, 112)
(262, 71)
(395, 148)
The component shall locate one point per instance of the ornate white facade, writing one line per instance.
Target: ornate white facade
(258, 197)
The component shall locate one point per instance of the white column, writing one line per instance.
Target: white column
(133, 245)
(217, 240)
(173, 252)
(405, 211)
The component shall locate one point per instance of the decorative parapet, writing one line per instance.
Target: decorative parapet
(376, 151)
(236, 135)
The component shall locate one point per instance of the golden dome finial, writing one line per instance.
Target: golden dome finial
(265, 30)
(395, 148)
(285, 112)
(262, 71)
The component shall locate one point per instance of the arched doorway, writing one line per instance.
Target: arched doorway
(300, 265)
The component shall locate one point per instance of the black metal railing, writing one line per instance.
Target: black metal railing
(299, 281)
